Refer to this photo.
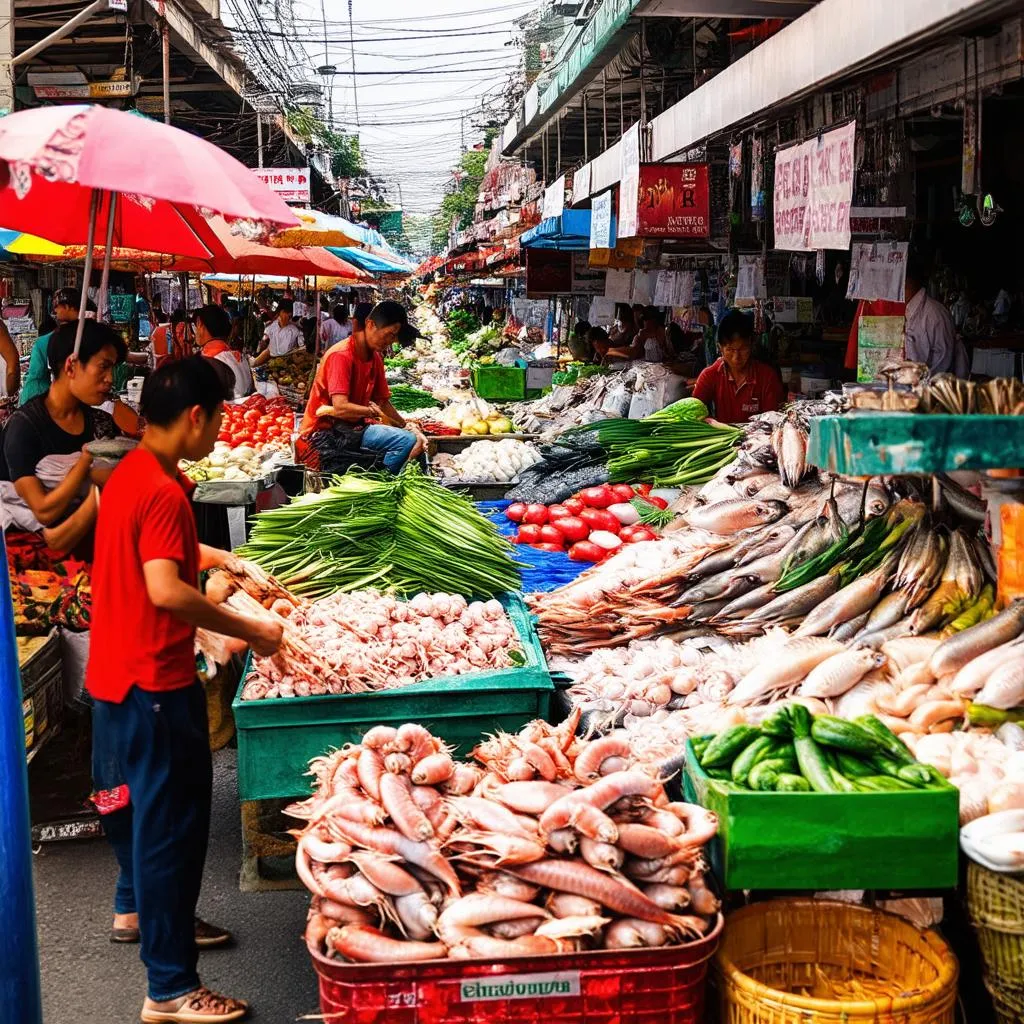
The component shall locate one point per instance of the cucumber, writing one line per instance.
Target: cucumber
(750, 756)
(918, 775)
(718, 774)
(852, 766)
(779, 723)
(700, 744)
(727, 746)
(841, 782)
(765, 774)
(888, 741)
(836, 732)
(884, 765)
(789, 783)
(813, 766)
(882, 784)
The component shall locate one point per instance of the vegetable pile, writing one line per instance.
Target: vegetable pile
(794, 751)
(293, 370)
(225, 463)
(475, 417)
(592, 524)
(487, 462)
(257, 423)
(405, 398)
(403, 533)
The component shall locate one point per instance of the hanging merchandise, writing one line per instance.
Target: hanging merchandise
(880, 340)
(756, 178)
(831, 185)
(629, 187)
(750, 278)
(878, 270)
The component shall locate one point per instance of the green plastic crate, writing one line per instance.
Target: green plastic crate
(890, 841)
(500, 383)
(278, 738)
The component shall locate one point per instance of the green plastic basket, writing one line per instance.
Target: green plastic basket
(500, 383)
(278, 738)
(906, 840)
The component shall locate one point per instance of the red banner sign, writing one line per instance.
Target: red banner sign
(674, 201)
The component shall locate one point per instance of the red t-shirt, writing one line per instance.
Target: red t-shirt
(145, 515)
(762, 391)
(214, 348)
(342, 372)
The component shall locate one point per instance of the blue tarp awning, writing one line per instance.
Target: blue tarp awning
(570, 231)
(371, 262)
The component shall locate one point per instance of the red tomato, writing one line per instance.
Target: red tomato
(548, 547)
(656, 501)
(573, 506)
(536, 514)
(622, 492)
(584, 551)
(571, 528)
(634, 534)
(599, 519)
(643, 489)
(552, 535)
(515, 512)
(224, 435)
(598, 497)
(251, 416)
(266, 421)
(529, 533)
(557, 512)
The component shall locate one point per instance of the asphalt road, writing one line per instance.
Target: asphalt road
(87, 980)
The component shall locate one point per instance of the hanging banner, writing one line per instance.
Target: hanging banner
(554, 199)
(880, 339)
(756, 178)
(618, 285)
(736, 160)
(750, 278)
(601, 236)
(674, 201)
(581, 185)
(290, 183)
(548, 272)
(629, 181)
(683, 292)
(792, 191)
(643, 286)
(878, 270)
(664, 288)
(831, 188)
(586, 280)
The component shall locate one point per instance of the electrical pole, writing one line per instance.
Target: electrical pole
(259, 139)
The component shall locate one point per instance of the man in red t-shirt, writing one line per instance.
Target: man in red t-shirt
(736, 386)
(151, 756)
(350, 393)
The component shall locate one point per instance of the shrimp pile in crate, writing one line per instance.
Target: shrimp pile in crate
(549, 844)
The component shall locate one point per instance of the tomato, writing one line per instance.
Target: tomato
(584, 551)
(266, 421)
(599, 519)
(598, 497)
(548, 547)
(557, 512)
(571, 528)
(529, 533)
(537, 514)
(622, 492)
(515, 512)
(656, 501)
(224, 436)
(640, 534)
(573, 506)
(551, 535)
(251, 416)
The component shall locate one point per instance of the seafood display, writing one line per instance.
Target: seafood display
(549, 843)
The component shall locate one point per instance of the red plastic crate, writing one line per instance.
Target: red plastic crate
(637, 986)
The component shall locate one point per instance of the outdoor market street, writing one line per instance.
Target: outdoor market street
(87, 980)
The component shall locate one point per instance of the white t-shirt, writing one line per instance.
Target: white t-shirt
(283, 340)
(244, 384)
(331, 332)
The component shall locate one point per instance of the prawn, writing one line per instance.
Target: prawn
(433, 769)
(530, 797)
(380, 736)
(464, 917)
(495, 849)
(603, 856)
(385, 875)
(700, 823)
(464, 779)
(370, 768)
(488, 816)
(587, 767)
(417, 915)
(416, 741)
(647, 842)
(370, 945)
(396, 796)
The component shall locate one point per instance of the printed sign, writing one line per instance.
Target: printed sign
(880, 339)
(292, 184)
(581, 184)
(629, 182)
(90, 91)
(643, 286)
(664, 288)
(618, 285)
(832, 188)
(548, 272)
(520, 986)
(787, 309)
(878, 270)
(554, 199)
(792, 191)
(674, 201)
(750, 278)
(586, 280)
(601, 236)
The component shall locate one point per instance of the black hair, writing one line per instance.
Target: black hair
(95, 338)
(180, 385)
(286, 306)
(71, 297)
(624, 309)
(388, 313)
(216, 320)
(581, 328)
(178, 316)
(597, 334)
(362, 311)
(918, 267)
(340, 312)
(675, 335)
(735, 325)
(652, 313)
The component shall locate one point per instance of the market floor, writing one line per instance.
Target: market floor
(86, 980)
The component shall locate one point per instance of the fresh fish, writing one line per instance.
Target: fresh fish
(961, 581)
(888, 611)
(727, 585)
(789, 665)
(878, 638)
(818, 535)
(905, 651)
(956, 651)
(985, 559)
(775, 492)
(848, 603)
(1005, 687)
(797, 602)
(706, 610)
(756, 598)
(749, 486)
(789, 443)
(846, 631)
(727, 517)
(960, 500)
(972, 677)
(859, 699)
(921, 564)
(834, 676)
(853, 507)
(765, 542)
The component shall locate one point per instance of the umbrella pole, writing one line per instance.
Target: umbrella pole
(103, 306)
(94, 207)
(316, 314)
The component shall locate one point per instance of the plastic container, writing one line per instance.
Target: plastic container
(500, 383)
(642, 986)
(773, 841)
(277, 738)
(42, 693)
(774, 952)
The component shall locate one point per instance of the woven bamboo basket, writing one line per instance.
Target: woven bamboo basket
(995, 903)
(818, 962)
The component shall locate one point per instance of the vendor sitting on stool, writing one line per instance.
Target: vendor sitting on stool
(349, 408)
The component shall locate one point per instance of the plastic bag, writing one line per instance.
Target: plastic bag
(616, 400)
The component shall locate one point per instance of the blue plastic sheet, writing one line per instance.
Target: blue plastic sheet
(545, 570)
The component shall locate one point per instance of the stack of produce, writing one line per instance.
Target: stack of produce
(490, 462)
(594, 523)
(406, 398)
(555, 844)
(227, 463)
(475, 416)
(567, 466)
(257, 423)
(457, 325)
(587, 400)
(292, 371)
(404, 533)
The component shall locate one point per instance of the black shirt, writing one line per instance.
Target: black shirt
(30, 435)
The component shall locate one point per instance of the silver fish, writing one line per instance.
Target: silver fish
(756, 598)
(727, 517)
(765, 542)
(797, 602)
(848, 603)
(789, 443)
(956, 651)
(965, 504)
(877, 637)
(889, 610)
(834, 676)
(749, 486)
(846, 631)
(787, 666)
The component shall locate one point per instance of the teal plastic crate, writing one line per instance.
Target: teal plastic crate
(883, 841)
(500, 383)
(278, 738)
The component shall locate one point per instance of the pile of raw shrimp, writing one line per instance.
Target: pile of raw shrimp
(550, 843)
(371, 641)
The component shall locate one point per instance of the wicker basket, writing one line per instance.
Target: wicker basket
(780, 962)
(995, 903)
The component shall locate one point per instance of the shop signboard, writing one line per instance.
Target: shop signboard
(756, 178)
(601, 222)
(792, 190)
(619, 285)
(831, 196)
(878, 270)
(292, 184)
(586, 280)
(629, 182)
(674, 201)
(750, 278)
(554, 199)
(880, 339)
(548, 272)
(87, 91)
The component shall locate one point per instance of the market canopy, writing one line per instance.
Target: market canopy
(371, 262)
(568, 232)
(239, 284)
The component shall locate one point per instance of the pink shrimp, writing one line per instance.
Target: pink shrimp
(678, 874)
(466, 916)
(519, 770)
(669, 897)
(304, 869)
(385, 875)
(645, 867)
(515, 929)
(317, 927)
(590, 821)
(530, 797)
(398, 763)
(369, 945)
(324, 851)
(587, 767)
(701, 824)
(604, 856)
(702, 899)
(664, 821)
(380, 736)
(551, 746)
(494, 849)
(370, 767)
(563, 840)
(610, 765)
(486, 947)
(488, 816)
(501, 883)
(427, 799)
(343, 913)
(348, 804)
(539, 760)
(573, 927)
(397, 799)
(647, 842)
(433, 769)
(417, 915)
(416, 741)
(464, 779)
(609, 789)
(565, 904)
(629, 933)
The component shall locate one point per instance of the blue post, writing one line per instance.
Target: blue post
(20, 997)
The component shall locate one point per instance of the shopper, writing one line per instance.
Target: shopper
(170, 341)
(337, 328)
(10, 365)
(649, 343)
(65, 310)
(579, 347)
(217, 341)
(624, 329)
(282, 335)
(930, 334)
(349, 406)
(151, 758)
(737, 386)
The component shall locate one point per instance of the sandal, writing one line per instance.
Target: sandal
(207, 935)
(201, 1007)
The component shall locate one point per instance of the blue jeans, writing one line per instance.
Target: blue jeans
(395, 443)
(158, 745)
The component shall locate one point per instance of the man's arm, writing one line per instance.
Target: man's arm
(343, 409)
(392, 414)
(37, 379)
(49, 506)
(69, 534)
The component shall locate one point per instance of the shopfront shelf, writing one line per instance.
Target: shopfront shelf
(884, 443)
(891, 841)
(277, 738)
